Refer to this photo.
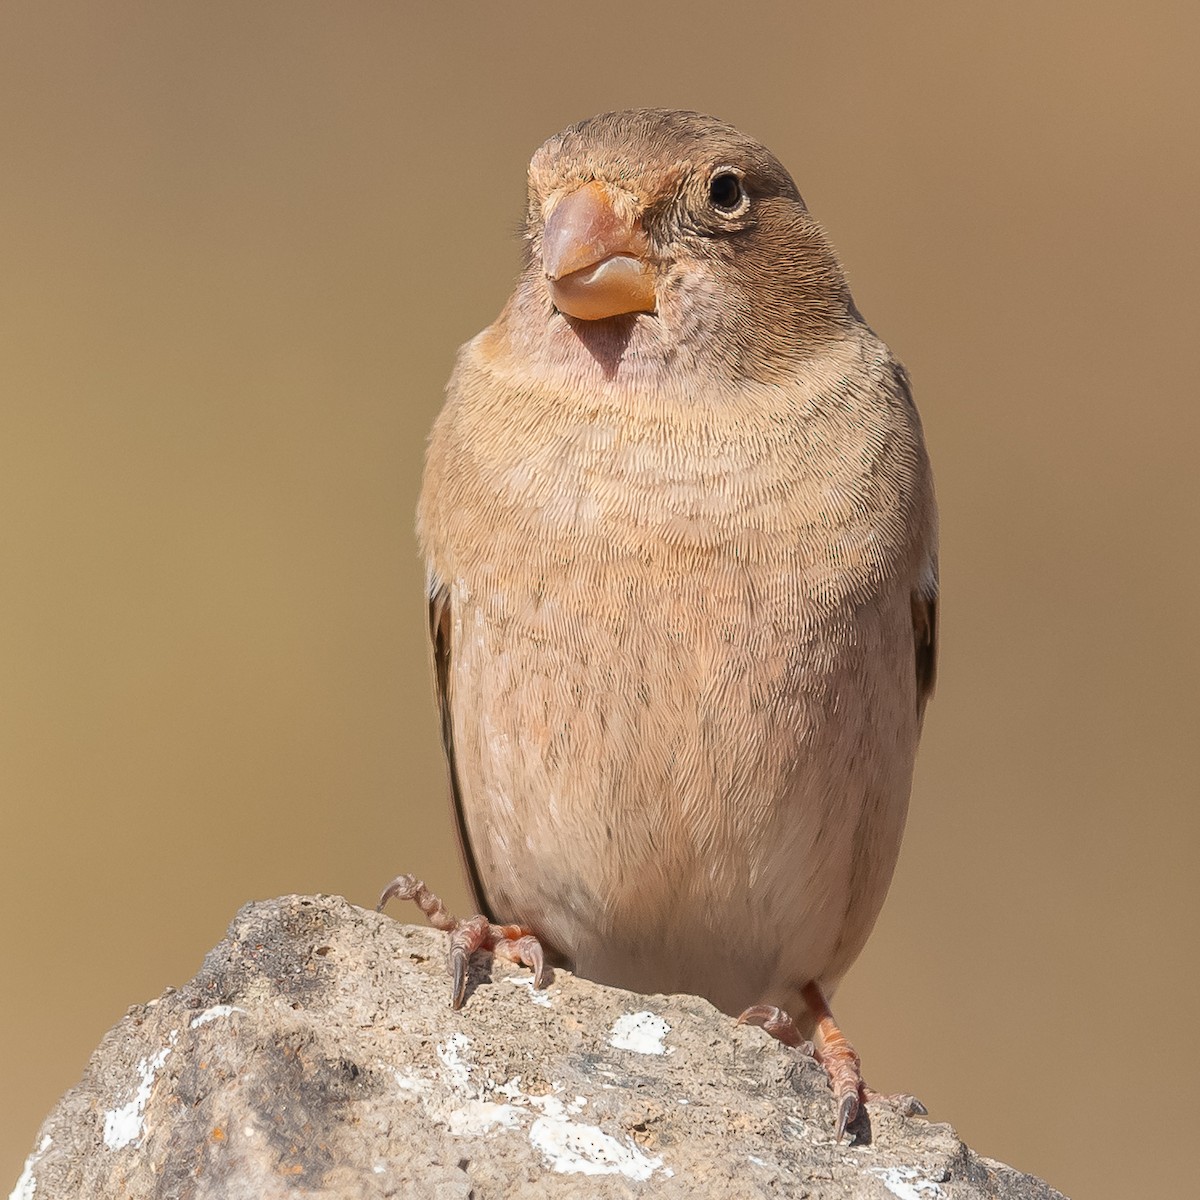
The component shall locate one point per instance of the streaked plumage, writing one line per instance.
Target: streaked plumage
(682, 577)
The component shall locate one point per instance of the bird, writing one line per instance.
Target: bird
(680, 537)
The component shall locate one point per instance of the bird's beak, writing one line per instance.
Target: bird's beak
(594, 258)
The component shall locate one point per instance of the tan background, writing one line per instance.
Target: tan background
(240, 243)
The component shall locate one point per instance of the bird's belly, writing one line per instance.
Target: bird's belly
(697, 788)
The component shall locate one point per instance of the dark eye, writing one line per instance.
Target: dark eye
(726, 193)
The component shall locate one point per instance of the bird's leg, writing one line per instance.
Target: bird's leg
(836, 1055)
(841, 1061)
(511, 942)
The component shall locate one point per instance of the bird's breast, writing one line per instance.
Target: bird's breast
(681, 654)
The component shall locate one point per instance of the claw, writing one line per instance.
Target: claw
(402, 885)
(847, 1111)
(459, 961)
(467, 937)
(778, 1024)
(532, 955)
(409, 887)
(512, 942)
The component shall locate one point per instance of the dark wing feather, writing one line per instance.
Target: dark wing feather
(440, 626)
(924, 622)
(925, 600)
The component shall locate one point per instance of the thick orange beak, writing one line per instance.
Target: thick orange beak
(594, 259)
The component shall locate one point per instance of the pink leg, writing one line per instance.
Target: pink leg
(511, 942)
(836, 1055)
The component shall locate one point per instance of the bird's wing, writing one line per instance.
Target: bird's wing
(925, 596)
(924, 623)
(440, 627)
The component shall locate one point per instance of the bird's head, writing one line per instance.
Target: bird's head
(678, 222)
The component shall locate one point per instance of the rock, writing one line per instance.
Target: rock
(315, 1055)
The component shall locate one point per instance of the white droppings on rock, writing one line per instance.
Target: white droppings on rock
(215, 1013)
(537, 995)
(407, 1082)
(123, 1126)
(906, 1183)
(480, 1114)
(573, 1148)
(27, 1182)
(641, 1032)
(512, 1088)
(552, 1106)
(476, 1117)
(451, 1053)
(474, 1109)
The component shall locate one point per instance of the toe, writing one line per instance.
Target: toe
(777, 1023)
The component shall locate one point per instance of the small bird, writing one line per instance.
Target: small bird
(681, 543)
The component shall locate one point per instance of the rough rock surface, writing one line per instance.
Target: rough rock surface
(315, 1055)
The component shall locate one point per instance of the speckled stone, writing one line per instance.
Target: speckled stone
(315, 1055)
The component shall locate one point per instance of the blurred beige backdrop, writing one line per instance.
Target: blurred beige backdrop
(240, 244)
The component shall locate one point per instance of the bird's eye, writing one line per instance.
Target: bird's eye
(726, 193)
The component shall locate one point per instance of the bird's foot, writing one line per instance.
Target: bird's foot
(836, 1055)
(512, 942)
(780, 1026)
